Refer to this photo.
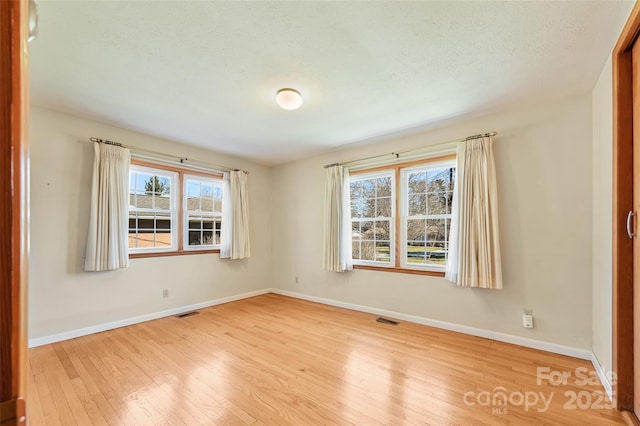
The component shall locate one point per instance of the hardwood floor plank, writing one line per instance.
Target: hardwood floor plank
(274, 360)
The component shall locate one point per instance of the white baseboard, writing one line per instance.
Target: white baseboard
(517, 340)
(53, 338)
(602, 376)
(494, 335)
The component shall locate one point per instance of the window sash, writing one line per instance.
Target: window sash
(150, 213)
(367, 243)
(202, 215)
(405, 218)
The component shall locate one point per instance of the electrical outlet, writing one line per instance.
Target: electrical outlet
(527, 321)
(165, 293)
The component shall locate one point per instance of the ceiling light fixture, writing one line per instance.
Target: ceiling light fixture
(288, 99)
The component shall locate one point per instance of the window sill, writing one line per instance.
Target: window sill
(400, 270)
(171, 253)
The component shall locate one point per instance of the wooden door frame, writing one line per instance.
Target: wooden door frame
(13, 210)
(622, 279)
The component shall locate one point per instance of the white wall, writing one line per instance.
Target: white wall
(602, 101)
(61, 296)
(543, 160)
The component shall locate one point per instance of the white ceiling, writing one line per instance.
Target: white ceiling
(206, 73)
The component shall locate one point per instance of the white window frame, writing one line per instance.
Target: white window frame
(173, 177)
(404, 208)
(392, 220)
(185, 212)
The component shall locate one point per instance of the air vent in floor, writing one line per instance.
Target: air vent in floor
(187, 314)
(387, 321)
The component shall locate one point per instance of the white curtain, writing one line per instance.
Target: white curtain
(234, 240)
(107, 242)
(337, 221)
(474, 249)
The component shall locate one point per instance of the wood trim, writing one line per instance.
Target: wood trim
(13, 412)
(399, 270)
(181, 172)
(180, 212)
(397, 167)
(622, 279)
(404, 165)
(175, 169)
(171, 253)
(13, 208)
(398, 222)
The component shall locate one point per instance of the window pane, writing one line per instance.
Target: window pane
(356, 234)
(382, 230)
(417, 204)
(195, 238)
(207, 238)
(383, 253)
(437, 202)
(193, 188)
(436, 230)
(436, 256)
(355, 188)
(383, 207)
(217, 199)
(206, 189)
(153, 184)
(368, 188)
(416, 230)
(367, 250)
(206, 203)
(416, 183)
(356, 208)
(195, 223)
(416, 252)
(355, 248)
(367, 230)
(383, 187)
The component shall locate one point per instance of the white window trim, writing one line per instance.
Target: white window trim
(185, 213)
(392, 221)
(173, 176)
(404, 206)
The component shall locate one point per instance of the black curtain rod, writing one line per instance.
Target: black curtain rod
(397, 154)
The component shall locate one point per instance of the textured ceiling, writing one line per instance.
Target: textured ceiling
(206, 73)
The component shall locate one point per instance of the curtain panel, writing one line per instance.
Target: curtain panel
(107, 240)
(234, 240)
(474, 252)
(337, 221)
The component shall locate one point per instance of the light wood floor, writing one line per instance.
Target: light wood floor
(276, 360)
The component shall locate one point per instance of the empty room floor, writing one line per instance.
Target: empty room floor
(277, 360)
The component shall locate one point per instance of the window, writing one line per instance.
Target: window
(372, 218)
(172, 211)
(152, 209)
(421, 195)
(203, 209)
(427, 197)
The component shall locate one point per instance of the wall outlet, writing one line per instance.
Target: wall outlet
(527, 321)
(165, 293)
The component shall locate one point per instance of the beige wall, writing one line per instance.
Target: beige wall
(543, 160)
(602, 101)
(61, 296)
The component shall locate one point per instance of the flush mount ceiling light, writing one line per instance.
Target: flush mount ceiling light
(288, 99)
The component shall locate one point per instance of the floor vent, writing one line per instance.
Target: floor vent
(187, 314)
(387, 321)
